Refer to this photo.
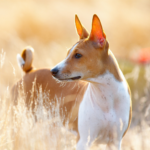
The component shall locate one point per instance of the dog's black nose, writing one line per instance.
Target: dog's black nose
(54, 71)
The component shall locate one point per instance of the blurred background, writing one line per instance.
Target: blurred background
(48, 26)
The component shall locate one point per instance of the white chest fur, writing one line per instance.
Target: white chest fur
(104, 111)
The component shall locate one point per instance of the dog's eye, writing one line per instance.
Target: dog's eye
(77, 55)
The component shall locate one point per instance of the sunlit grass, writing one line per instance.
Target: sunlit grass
(23, 128)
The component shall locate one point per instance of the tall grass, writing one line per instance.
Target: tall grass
(23, 128)
(48, 26)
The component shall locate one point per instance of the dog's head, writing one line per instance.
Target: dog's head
(87, 58)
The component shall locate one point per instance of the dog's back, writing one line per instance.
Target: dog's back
(68, 94)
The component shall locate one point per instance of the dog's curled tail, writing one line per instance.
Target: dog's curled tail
(25, 59)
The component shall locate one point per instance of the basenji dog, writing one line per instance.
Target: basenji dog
(99, 107)
(105, 110)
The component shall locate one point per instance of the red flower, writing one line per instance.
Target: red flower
(144, 56)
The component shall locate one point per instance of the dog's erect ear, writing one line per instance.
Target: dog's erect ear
(80, 29)
(97, 34)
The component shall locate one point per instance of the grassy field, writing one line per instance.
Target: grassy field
(48, 26)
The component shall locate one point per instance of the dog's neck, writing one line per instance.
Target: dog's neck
(107, 82)
(103, 90)
(111, 76)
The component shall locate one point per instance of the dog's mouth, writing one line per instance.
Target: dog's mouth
(74, 78)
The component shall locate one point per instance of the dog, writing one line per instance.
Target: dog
(95, 100)
(105, 111)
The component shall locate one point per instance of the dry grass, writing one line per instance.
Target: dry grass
(21, 130)
(48, 26)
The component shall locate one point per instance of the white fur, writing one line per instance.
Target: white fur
(20, 60)
(73, 48)
(62, 65)
(104, 112)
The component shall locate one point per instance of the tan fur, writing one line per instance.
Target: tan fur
(102, 60)
(27, 55)
(69, 95)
